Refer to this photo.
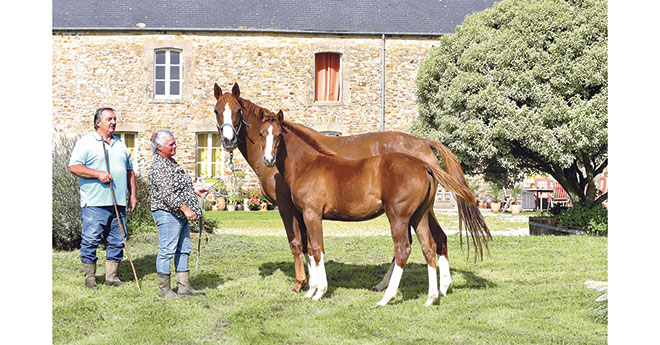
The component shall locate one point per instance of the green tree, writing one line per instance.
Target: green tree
(523, 86)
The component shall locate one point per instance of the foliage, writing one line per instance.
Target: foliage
(523, 86)
(235, 199)
(67, 225)
(593, 220)
(140, 220)
(496, 192)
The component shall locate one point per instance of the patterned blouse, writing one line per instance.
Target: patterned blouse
(171, 187)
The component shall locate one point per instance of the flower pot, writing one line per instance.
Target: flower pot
(495, 206)
(239, 207)
(220, 203)
(231, 207)
(516, 209)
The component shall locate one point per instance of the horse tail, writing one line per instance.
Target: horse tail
(469, 215)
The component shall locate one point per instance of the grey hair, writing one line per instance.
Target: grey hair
(158, 139)
(97, 115)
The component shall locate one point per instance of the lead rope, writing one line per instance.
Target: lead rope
(201, 218)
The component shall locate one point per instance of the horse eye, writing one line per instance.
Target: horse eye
(215, 111)
(239, 111)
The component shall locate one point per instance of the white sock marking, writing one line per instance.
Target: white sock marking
(445, 276)
(393, 286)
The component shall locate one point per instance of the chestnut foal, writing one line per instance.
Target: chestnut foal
(324, 186)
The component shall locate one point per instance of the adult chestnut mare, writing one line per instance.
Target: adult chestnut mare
(238, 121)
(324, 186)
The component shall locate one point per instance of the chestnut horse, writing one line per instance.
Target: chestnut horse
(238, 122)
(324, 186)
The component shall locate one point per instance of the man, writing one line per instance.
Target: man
(97, 210)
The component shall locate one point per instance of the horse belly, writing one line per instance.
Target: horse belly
(348, 207)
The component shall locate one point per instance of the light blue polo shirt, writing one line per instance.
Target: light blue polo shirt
(88, 151)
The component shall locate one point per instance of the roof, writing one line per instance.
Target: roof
(415, 17)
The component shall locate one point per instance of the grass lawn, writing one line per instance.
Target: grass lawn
(529, 291)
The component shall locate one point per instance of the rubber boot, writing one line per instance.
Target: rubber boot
(111, 269)
(184, 286)
(90, 270)
(164, 286)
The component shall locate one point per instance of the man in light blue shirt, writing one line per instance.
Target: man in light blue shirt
(97, 211)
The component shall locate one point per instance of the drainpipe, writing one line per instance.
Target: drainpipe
(382, 88)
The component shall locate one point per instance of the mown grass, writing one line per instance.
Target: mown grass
(529, 291)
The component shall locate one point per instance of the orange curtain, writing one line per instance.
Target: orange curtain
(327, 77)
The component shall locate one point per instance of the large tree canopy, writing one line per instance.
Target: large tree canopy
(523, 86)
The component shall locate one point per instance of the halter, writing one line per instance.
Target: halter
(233, 129)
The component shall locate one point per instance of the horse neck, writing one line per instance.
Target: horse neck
(248, 138)
(299, 156)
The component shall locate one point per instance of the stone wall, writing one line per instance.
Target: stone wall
(276, 71)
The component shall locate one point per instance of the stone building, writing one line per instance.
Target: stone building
(156, 62)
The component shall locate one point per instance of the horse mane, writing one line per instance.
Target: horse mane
(307, 135)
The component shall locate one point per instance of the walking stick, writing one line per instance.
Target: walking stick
(121, 229)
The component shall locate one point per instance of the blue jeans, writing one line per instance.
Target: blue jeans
(173, 241)
(98, 221)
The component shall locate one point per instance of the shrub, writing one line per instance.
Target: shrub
(593, 220)
(140, 221)
(67, 225)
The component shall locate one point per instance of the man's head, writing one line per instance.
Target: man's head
(105, 119)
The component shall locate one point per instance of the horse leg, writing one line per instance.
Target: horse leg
(388, 275)
(429, 249)
(399, 228)
(443, 254)
(318, 281)
(293, 224)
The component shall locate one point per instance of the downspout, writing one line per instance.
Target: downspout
(382, 88)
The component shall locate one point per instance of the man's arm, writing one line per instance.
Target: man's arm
(132, 188)
(83, 171)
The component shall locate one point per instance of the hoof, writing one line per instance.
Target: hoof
(430, 300)
(310, 292)
(444, 289)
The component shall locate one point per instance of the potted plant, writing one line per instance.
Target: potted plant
(515, 207)
(495, 204)
(233, 201)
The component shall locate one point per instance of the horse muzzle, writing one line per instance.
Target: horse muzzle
(229, 144)
(270, 162)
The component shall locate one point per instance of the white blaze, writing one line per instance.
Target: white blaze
(268, 152)
(227, 131)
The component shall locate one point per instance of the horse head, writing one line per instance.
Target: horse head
(228, 115)
(270, 135)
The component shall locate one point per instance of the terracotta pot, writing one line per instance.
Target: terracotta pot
(516, 209)
(220, 203)
(495, 206)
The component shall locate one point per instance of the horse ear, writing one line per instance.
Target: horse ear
(280, 116)
(217, 91)
(235, 90)
(261, 115)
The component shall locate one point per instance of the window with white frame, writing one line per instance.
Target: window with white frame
(209, 158)
(129, 139)
(167, 74)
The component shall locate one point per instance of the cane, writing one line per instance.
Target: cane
(121, 229)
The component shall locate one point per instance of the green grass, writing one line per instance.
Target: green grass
(530, 291)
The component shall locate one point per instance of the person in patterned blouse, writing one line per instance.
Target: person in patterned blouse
(173, 202)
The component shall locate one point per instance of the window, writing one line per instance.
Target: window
(327, 86)
(167, 74)
(209, 157)
(129, 140)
